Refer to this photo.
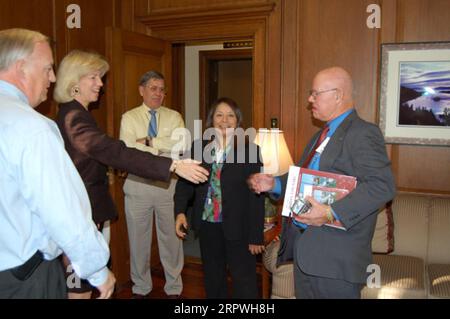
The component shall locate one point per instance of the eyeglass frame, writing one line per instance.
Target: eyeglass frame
(156, 89)
(314, 94)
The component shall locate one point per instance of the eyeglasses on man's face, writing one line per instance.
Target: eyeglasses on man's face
(314, 94)
(157, 89)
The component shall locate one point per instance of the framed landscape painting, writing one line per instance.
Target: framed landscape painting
(415, 93)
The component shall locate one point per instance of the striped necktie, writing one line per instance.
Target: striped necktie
(152, 128)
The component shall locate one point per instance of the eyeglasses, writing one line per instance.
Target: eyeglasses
(156, 89)
(315, 93)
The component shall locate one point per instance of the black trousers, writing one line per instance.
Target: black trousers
(217, 253)
(46, 282)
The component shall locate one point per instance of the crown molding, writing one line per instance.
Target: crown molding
(178, 17)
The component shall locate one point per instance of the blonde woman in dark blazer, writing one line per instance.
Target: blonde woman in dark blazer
(78, 84)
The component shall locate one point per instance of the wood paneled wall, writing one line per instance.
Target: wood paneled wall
(300, 37)
(329, 33)
(95, 17)
(49, 17)
(305, 36)
(31, 14)
(321, 33)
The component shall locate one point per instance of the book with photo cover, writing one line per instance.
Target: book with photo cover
(325, 187)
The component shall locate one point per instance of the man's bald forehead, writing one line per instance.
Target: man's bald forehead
(336, 73)
(339, 77)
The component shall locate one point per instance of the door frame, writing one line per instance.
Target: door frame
(240, 21)
(204, 69)
(120, 42)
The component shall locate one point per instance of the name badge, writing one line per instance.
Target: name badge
(323, 145)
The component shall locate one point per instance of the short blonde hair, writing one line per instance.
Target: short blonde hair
(73, 67)
(16, 44)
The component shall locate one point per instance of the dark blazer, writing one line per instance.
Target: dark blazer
(92, 151)
(242, 210)
(357, 148)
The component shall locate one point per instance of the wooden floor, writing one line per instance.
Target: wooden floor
(192, 283)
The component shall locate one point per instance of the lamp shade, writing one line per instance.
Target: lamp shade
(274, 151)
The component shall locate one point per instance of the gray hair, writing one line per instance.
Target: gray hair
(150, 75)
(16, 44)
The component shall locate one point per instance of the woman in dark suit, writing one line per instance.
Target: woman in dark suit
(78, 83)
(228, 217)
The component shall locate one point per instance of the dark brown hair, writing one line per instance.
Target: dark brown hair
(231, 103)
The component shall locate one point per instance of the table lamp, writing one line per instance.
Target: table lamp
(276, 160)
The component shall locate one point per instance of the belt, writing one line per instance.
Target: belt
(23, 272)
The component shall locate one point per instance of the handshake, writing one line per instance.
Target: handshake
(187, 168)
(190, 169)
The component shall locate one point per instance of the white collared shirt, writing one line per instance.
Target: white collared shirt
(43, 201)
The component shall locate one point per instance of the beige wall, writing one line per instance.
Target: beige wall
(192, 82)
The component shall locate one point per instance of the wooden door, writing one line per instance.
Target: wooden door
(130, 55)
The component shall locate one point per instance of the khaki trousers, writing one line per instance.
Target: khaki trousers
(143, 200)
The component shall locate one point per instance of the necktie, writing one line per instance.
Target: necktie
(319, 141)
(321, 138)
(152, 128)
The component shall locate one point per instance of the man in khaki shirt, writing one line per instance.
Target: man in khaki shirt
(149, 127)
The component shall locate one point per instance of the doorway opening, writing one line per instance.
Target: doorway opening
(210, 72)
(227, 73)
(203, 72)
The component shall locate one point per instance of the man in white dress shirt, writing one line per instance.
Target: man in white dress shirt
(44, 206)
(149, 127)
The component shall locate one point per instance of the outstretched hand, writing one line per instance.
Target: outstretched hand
(260, 183)
(191, 170)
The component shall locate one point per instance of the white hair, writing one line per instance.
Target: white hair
(16, 44)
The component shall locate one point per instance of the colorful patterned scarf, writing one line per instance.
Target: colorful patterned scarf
(213, 204)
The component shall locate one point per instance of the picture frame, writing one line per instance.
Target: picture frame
(415, 93)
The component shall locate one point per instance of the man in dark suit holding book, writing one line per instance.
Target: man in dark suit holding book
(329, 262)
